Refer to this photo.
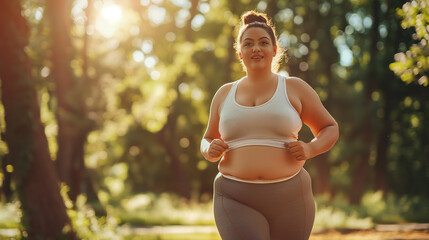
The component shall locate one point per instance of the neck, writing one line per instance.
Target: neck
(259, 76)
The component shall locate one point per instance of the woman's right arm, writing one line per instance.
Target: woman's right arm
(212, 146)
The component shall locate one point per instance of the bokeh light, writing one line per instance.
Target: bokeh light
(108, 20)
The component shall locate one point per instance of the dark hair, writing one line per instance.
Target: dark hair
(252, 19)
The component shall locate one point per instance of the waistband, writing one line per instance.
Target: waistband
(260, 181)
(278, 143)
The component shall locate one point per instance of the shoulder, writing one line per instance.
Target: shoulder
(223, 91)
(221, 95)
(299, 86)
(297, 82)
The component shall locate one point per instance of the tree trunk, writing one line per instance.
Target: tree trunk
(61, 52)
(324, 67)
(272, 8)
(88, 186)
(44, 211)
(231, 57)
(193, 11)
(321, 185)
(360, 175)
(72, 128)
(232, 53)
(382, 147)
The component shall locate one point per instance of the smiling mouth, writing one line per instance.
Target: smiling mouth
(257, 57)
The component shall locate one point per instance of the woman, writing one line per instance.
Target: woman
(262, 190)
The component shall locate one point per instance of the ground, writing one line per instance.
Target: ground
(371, 235)
(381, 232)
(210, 233)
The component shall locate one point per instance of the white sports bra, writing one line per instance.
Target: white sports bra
(270, 124)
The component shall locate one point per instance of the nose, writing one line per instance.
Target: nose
(256, 48)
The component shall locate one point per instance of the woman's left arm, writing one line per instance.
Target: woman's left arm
(317, 118)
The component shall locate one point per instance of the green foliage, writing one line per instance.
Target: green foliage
(86, 224)
(150, 85)
(413, 65)
(164, 209)
(338, 213)
(373, 209)
(150, 209)
(10, 215)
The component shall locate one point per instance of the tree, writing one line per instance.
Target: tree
(73, 125)
(413, 65)
(43, 208)
(360, 175)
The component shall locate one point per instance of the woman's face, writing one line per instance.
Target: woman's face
(256, 49)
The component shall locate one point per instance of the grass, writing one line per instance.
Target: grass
(165, 209)
(198, 236)
(10, 215)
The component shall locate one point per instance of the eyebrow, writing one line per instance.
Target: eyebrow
(258, 39)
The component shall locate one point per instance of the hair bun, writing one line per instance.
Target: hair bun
(252, 16)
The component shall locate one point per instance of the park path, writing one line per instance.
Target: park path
(415, 231)
(409, 231)
(371, 235)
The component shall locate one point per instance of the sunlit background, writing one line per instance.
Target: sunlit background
(144, 74)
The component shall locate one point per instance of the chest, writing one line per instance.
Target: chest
(256, 95)
(251, 97)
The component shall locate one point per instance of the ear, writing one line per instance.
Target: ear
(239, 54)
(275, 50)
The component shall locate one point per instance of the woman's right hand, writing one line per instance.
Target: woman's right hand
(217, 148)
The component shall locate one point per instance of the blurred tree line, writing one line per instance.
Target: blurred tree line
(112, 97)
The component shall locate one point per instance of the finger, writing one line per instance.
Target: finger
(218, 147)
(289, 144)
(224, 145)
(293, 143)
(293, 147)
(295, 150)
(296, 154)
(215, 153)
(220, 143)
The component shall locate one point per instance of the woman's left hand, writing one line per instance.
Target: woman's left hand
(299, 149)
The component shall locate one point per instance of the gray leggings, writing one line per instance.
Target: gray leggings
(272, 211)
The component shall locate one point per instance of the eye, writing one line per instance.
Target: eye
(264, 43)
(246, 44)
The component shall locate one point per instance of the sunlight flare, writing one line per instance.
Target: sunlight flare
(109, 19)
(112, 13)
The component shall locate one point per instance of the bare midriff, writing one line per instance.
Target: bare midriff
(259, 163)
